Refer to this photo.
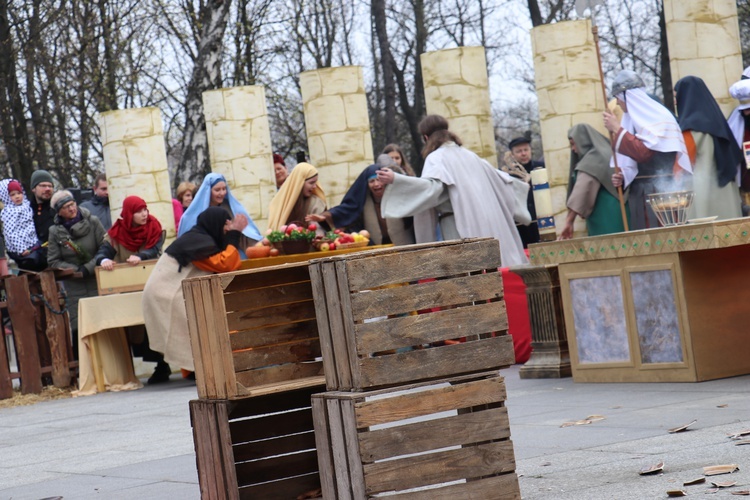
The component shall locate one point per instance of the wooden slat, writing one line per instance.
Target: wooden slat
(462, 429)
(440, 467)
(434, 362)
(348, 323)
(21, 312)
(503, 487)
(269, 276)
(276, 375)
(417, 404)
(267, 448)
(274, 334)
(213, 450)
(291, 352)
(271, 426)
(405, 299)
(275, 468)
(285, 489)
(6, 381)
(420, 329)
(55, 330)
(336, 330)
(354, 465)
(323, 445)
(323, 325)
(258, 298)
(413, 265)
(291, 397)
(269, 316)
(196, 320)
(339, 450)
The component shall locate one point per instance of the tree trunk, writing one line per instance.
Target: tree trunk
(666, 70)
(535, 13)
(194, 161)
(15, 135)
(386, 63)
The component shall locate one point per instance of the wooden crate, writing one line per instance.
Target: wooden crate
(367, 303)
(455, 443)
(260, 447)
(124, 277)
(253, 330)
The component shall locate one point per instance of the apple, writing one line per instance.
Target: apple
(324, 247)
(274, 252)
(332, 246)
(259, 244)
(337, 231)
(265, 242)
(365, 233)
(283, 228)
(312, 227)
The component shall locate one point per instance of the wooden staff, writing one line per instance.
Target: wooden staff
(595, 32)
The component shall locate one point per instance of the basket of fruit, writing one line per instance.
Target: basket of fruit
(292, 238)
(338, 240)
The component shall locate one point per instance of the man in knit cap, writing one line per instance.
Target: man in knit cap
(42, 188)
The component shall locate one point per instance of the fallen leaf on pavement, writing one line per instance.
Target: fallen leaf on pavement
(676, 493)
(586, 421)
(723, 484)
(722, 406)
(738, 435)
(682, 427)
(744, 441)
(741, 492)
(697, 480)
(652, 469)
(713, 470)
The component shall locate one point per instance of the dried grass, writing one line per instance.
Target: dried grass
(49, 393)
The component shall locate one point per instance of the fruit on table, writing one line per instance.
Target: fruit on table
(257, 251)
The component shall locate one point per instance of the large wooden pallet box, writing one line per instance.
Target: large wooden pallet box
(384, 316)
(430, 441)
(253, 330)
(258, 447)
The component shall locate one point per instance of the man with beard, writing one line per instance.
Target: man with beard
(99, 204)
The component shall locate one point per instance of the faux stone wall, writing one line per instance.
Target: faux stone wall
(135, 160)
(338, 127)
(239, 143)
(704, 41)
(456, 86)
(569, 90)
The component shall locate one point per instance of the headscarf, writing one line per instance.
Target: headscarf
(351, 207)
(283, 203)
(594, 153)
(205, 238)
(202, 201)
(655, 126)
(697, 110)
(18, 221)
(135, 237)
(737, 120)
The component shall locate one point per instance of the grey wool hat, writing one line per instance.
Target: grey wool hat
(626, 80)
(41, 176)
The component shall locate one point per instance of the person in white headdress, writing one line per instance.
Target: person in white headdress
(739, 119)
(649, 146)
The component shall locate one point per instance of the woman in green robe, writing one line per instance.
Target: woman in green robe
(590, 152)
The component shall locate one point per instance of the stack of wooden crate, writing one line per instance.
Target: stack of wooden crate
(411, 339)
(406, 342)
(257, 363)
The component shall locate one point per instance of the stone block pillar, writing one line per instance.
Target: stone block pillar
(239, 143)
(135, 161)
(704, 41)
(456, 86)
(338, 127)
(569, 89)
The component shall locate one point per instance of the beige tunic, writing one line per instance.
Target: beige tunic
(710, 199)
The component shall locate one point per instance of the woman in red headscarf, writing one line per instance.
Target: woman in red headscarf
(135, 236)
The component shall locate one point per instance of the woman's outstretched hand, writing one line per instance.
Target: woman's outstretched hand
(386, 175)
(238, 223)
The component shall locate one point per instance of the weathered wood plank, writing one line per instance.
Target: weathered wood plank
(440, 467)
(55, 331)
(417, 404)
(443, 361)
(339, 450)
(348, 323)
(284, 489)
(278, 334)
(270, 447)
(409, 264)
(336, 330)
(292, 352)
(462, 429)
(275, 468)
(324, 446)
(213, 448)
(354, 461)
(271, 426)
(291, 395)
(269, 276)
(323, 325)
(503, 487)
(441, 293)
(21, 312)
(196, 319)
(258, 298)
(279, 374)
(421, 329)
(6, 381)
(270, 316)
